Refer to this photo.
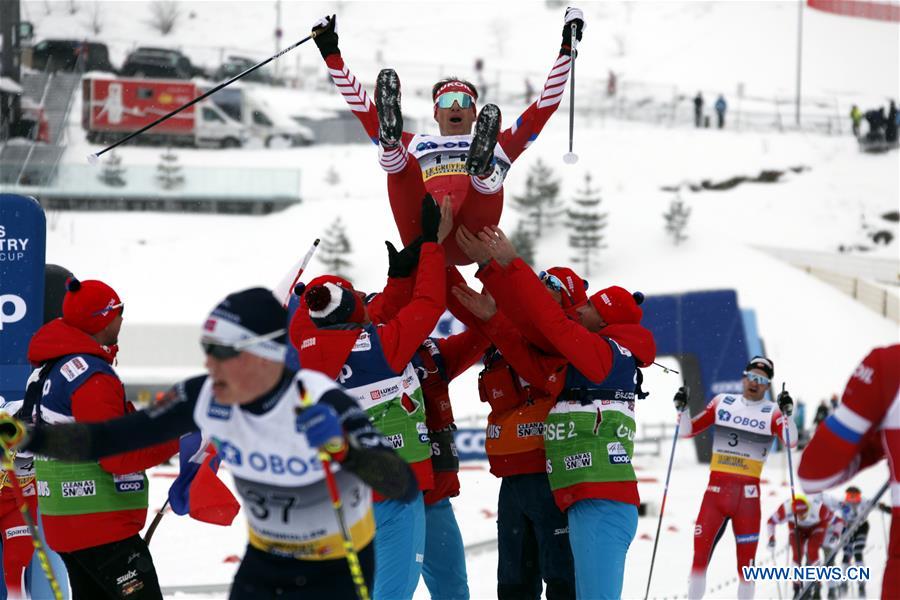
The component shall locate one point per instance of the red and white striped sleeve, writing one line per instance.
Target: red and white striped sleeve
(691, 427)
(354, 95)
(779, 430)
(525, 130)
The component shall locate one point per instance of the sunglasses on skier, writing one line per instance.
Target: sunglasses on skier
(447, 99)
(226, 351)
(757, 378)
(554, 283)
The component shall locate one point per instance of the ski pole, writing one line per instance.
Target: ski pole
(662, 508)
(787, 449)
(10, 466)
(288, 283)
(359, 580)
(155, 523)
(775, 564)
(849, 531)
(570, 158)
(93, 158)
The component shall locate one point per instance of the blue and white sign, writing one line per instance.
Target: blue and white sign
(23, 233)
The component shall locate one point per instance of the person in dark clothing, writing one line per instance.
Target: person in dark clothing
(890, 128)
(721, 106)
(698, 110)
(876, 121)
(248, 401)
(821, 414)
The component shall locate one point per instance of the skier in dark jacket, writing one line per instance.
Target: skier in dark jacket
(248, 402)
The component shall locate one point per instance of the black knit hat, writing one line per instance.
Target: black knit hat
(763, 364)
(249, 314)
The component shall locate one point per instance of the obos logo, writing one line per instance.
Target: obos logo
(748, 422)
(12, 309)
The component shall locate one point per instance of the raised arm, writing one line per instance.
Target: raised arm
(526, 128)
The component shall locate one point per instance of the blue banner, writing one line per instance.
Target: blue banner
(470, 444)
(23, 236)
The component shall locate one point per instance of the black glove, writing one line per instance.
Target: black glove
(681, 398)
(326, 36)
(404, 262)
(576, 17)
(431, 219)
(786, 404)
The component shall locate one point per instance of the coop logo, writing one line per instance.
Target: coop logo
(132, 482)
(12, 309)
(617, 454)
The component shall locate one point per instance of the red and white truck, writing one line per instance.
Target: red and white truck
(113, 107)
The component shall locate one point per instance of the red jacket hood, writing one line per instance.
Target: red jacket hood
(636, 338)
(323, 350)
(57, 338)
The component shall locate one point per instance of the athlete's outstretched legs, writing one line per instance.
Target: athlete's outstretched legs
(745, 523)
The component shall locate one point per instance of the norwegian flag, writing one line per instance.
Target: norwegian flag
(598, 420)
(197, 490)
(408, 404)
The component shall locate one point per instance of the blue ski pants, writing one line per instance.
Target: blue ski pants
(399, 548)
(600, 532)
(444, 569)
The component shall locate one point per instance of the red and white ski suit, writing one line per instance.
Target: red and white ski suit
(864, 428)
(741, 441)
(436, 164)
(17, 544)
(813, 525)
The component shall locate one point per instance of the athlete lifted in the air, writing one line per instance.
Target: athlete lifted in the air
(469, 168)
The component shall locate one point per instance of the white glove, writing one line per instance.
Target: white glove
(573, 14)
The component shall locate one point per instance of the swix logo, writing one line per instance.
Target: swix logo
(16, 313)
(724, 416)
(408, 404)
(126, 577)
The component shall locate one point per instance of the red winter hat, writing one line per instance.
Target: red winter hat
(575, 285)
(335, 279)
(617, 305)
(90, 305)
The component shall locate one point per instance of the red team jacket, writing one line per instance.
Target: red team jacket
(100, 398)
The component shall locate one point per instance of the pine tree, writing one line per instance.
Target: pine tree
(335, 249)
(523, 241)
(113, 172)
(168, 171)
(586, 224)
(540, 204)
(677, 219)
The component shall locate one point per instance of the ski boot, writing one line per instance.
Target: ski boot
(480, 160)
(387, 104)
(862, 589)
(817, 591)
(832, 593)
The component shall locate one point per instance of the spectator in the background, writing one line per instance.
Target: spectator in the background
(876, 120)
(890, 128)
(698, 109)
(800, 419)
(611, 84)
(821, 413)
(855, 118)
(721, 106)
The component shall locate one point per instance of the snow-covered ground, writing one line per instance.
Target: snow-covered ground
(174, 268)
